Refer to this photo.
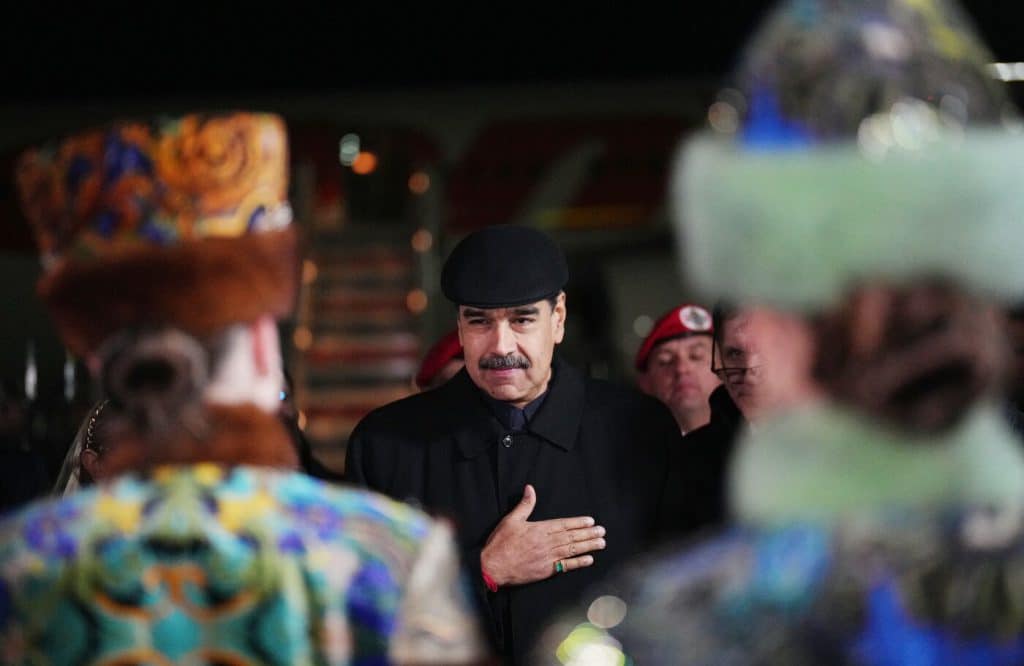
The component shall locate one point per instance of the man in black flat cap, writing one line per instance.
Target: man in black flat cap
(552, 478)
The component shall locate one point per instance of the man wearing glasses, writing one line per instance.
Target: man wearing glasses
(764, 359)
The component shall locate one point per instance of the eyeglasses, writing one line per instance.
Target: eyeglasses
(736, 375)
(731, 374)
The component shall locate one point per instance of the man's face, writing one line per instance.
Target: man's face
(508, 350)
(777, 351)
(744, 338)
(679, 373)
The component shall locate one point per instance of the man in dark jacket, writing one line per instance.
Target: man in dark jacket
(708, 450)
(535, 463)
(763, 372)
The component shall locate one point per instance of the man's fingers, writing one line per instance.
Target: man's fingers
(571, 563)
(584, 533)
(579, 548)
(525, 506)
(556, 525)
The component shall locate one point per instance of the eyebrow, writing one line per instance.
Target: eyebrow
(522, 311)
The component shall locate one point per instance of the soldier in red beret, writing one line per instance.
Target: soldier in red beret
(674, 365)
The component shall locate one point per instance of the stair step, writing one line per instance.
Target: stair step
(364, 347)
(324, 398)
(398, 341)
(355, 326)
(350, 374)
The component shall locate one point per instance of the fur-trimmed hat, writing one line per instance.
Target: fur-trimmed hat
(857, 139)
(182, 222)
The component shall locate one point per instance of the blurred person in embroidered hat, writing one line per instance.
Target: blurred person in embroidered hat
(864, 174)
(441, 362)
(535, 462)
(168, 252)
(673, 365)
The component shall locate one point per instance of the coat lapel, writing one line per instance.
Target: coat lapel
(473, 429)
(558, 420)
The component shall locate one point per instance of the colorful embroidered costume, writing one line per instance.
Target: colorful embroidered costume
(206, 564)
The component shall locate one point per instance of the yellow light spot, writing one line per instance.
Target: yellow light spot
(416, 301)
(580, 641)
(364, 163)
(309, 271)
(303, 338)
(207, 473)
(422, 240)
(302, 420)
(125, 515)
(419, 182)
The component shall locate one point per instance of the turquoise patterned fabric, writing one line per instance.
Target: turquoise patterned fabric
(206, 565)
(937, 588)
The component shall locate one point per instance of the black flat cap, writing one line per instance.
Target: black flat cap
(504, 266)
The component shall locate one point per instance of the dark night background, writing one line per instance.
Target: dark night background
(82, 52)
(456, 72)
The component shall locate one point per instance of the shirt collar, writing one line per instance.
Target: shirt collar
(511, 417)
(557, 418)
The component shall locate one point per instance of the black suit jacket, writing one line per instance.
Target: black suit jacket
(708, 453)
(597, 449)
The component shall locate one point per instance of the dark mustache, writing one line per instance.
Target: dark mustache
(507, 362)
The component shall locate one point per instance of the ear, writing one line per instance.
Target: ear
(90, 460)
(558, 315)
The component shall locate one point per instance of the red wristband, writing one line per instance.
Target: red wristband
(488, 581)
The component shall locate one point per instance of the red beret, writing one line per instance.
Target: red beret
(444, 350)
(679, 322)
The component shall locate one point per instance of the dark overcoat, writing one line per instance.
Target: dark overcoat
(593, 448)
